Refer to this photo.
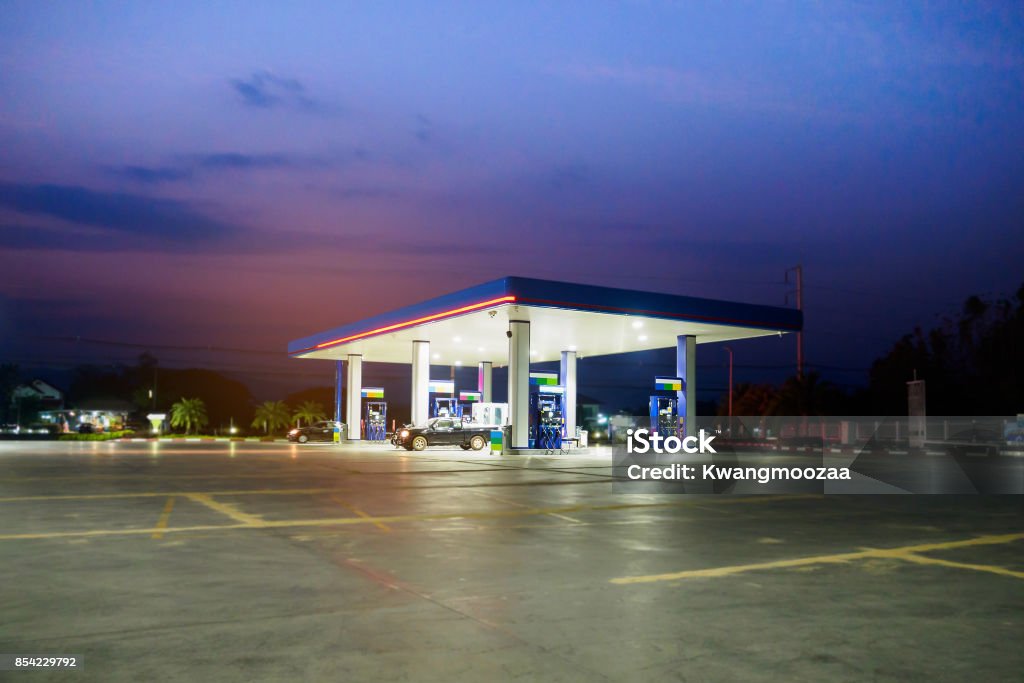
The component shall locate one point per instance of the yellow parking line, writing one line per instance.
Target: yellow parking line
(160, 494)
(164, 516)
(715, 572)
(353, 508)
(897, 553)
(225, 509)
(681, 502)
(248, 521)
(253, 522)
(993, 569)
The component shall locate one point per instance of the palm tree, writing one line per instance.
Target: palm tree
(271, 415)
(189, 413)
(310, 411)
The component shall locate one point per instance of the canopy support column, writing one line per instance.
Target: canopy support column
(354, 397)
(686, 370)
(420, 382)
(519, 383)
(483, 380)
(567, 378)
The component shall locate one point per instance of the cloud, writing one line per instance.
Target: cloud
(136, 220)
(696, 87)
(232, 160)
(151, 174)
(264, 90)
(364, 192)
(424, 129)
(190, 165)
(569, 176)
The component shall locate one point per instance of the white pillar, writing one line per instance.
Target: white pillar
(354, 397)
(686, 370)
(567, 378)
(519, 382)
(483, 380)
(338, 384)
(420, 381)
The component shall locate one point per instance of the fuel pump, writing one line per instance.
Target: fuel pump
(546, 423)
(376, 420)
(665, 416)
(446, 407)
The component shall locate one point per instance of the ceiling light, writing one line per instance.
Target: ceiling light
(458, 362)
(637, 324)
(436, 356)
(642, 337)
(457, 339)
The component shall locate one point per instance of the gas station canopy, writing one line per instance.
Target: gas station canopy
(470, 325)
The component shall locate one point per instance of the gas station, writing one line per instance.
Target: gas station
(513, 322)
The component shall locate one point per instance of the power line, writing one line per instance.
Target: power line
(162, 347)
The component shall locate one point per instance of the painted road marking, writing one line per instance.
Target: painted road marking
(255, 522)
(353, 508)
(908, 553)
(164, 517)
(224, 508)
(280, 474)
(513, 503)
(287, 492)
(921, 559)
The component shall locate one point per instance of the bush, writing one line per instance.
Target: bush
(102, 436)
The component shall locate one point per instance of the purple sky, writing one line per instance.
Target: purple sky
(243, 173)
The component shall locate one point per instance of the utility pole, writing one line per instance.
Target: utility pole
(798, 270)
(730, 390)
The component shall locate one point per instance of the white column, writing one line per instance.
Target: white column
(420, 381)
(686, 370)
(338, 384)
(567, 378)
(354, 397)
(483, 380)
(519, 382)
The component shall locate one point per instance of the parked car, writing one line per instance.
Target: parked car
(318, 431)
(396, 436)
(444, 431)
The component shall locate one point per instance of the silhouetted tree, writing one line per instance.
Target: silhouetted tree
(8, 382)
(310, 411)
(271, 415)
(189, 413)
(972, 363)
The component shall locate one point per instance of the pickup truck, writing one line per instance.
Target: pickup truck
(444, 431)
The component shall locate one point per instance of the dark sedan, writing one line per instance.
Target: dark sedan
(318, 431)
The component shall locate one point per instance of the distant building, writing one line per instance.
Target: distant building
(48, 395)
(101, 415)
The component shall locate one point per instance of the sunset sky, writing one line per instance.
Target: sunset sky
(240, 174)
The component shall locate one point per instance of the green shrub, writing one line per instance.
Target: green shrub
(103, 436)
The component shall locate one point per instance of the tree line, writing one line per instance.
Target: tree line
(972, 363)
(269, 416)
